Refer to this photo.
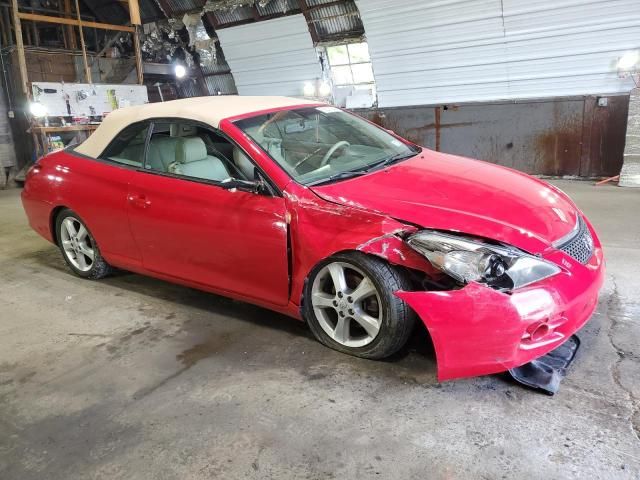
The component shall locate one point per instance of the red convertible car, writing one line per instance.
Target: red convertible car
(314, 212)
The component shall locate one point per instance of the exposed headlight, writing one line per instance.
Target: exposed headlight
(468, 260)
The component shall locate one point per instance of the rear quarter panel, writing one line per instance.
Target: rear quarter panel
(36, 198)
(95, 190)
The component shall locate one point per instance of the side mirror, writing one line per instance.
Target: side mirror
(253, 186)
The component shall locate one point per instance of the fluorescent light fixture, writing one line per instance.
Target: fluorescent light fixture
(629, 60)
(180, 71)
(325, 89)
(37, 109)
(309, 89)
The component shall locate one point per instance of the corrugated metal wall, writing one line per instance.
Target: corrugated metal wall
(561, 136)
(273, 57)
(439, 52)
(221, 84)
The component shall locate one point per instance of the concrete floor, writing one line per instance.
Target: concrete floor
(132, 377)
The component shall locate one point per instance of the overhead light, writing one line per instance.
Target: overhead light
(325, 89)
(180, 71)
(309, 89)
(629, 60)
(37, 109)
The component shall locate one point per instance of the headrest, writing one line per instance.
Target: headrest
(190, 149)
(183, 130)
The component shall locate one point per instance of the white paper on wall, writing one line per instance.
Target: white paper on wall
(83, 99)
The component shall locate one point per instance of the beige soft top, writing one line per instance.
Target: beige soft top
(210, 110)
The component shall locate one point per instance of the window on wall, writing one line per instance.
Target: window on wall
(352, 74)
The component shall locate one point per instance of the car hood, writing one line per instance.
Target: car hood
(448, 192)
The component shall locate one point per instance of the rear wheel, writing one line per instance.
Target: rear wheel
(79, 248)
(350, 306)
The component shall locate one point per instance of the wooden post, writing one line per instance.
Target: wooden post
(4, 26)
(36, 34)
(22, 64)
(134, 12)
(87, 70)
(63, 32)
(136, 21)
(27, 32)
(71, 36)
(136, 47)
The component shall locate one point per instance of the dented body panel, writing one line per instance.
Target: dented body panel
(446, 192)
(478, 330)
(320, 229)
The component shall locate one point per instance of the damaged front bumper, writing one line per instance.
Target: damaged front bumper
(546, 372)
(477, 330)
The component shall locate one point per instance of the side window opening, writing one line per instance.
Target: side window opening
(127, 147)
(190, 150)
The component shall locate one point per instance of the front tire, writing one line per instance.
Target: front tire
(79, 249)
(350, 306)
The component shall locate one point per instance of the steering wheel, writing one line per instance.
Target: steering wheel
(306, 158)
(332, 150)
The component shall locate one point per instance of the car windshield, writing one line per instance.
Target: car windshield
(322, 144)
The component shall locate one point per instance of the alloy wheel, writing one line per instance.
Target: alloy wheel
(347, 304)
(77, 244)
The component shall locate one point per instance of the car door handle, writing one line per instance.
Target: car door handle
(140, 201)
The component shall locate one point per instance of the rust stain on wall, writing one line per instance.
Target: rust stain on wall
(437, 125)
(419, 134)
(606, 140)
(558, 150)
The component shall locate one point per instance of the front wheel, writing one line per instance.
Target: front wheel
(79, 249)
(350, 306)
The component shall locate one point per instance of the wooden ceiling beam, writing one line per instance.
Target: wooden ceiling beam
(70, 21)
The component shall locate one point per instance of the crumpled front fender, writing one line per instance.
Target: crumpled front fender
(477, 330)
(472, 329)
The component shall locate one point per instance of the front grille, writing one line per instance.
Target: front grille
(580, 245)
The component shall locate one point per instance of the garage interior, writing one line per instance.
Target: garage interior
(133, 377)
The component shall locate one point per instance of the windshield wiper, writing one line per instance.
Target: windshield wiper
(340, 176)
(396, 158)
(389, 160)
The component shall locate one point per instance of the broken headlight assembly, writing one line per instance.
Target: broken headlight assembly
(470, 260)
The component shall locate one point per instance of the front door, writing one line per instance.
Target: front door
(189, 227)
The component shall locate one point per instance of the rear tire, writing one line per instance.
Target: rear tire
(360, 316)
(79, 248)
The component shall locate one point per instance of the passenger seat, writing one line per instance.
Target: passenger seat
(192, 160)
(162, 153)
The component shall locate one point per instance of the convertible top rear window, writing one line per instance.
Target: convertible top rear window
(316, 144)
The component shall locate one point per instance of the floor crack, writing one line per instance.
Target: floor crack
(614, 309)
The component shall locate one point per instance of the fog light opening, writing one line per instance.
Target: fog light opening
(538, 331)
